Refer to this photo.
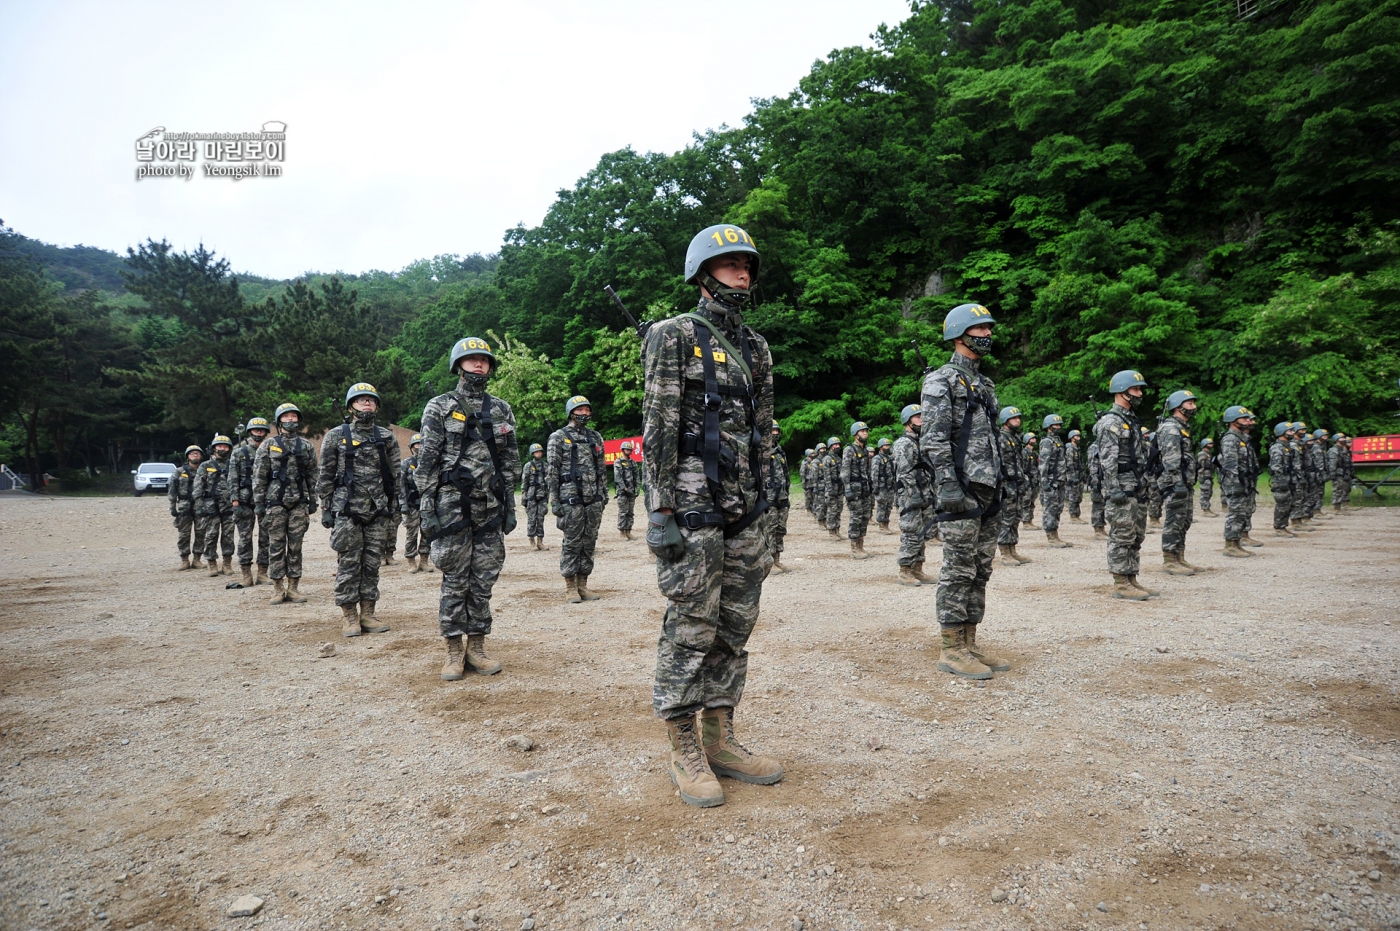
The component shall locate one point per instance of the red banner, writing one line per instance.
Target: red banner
(611, 448)
(1376, 448)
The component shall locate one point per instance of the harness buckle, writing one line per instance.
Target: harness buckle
(713, 401)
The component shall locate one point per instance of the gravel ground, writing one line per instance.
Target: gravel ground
(1221, 757)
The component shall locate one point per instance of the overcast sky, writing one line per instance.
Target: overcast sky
(413, 129)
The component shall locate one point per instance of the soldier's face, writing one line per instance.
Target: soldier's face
(221, 450)
(289, 422)
(583, 410)
(475, 365)
(862, 435)
(539, 454)
(257, 436)
(733, 271)
(195, 458)
(917, 420)
(364, 403)
(1014, 423)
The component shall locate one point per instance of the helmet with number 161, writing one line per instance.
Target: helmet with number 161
(962, 318)
(714, 241)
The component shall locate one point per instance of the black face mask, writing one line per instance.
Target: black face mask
(982, 345)
(472, 380)
(289, 426)
(364, 417)
(580, 420)
(1134, 401)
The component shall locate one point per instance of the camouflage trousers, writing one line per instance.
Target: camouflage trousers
(1127, 528)
(1154, 502)
(286, 528)
(413, 545)
(1341, 491)
(834, 505)
(359, 550)
(185, 527)
(1096, 509)
(580, 526)
(819, 505)
(1009, 521)
(535, 512)
(220, 534)
(1177, 513)
(470, 567)
(1283, 506)
(1207, 487)
(626, 506)
(884, 503)
(968, 548)
(912, 541)
(1027, 503)
(1052, 504)
(777, 516)
(1239, 508)
(391, 536)
(1074, 495)
(1299, 508)
(244, 518)
(712, 593)
(1316, 488)
(861, 507)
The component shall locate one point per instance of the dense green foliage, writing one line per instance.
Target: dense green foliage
(1163, 186)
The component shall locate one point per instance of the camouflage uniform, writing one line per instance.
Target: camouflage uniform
(181, 496)
(804, 469)
(1318, 457)
(779, 499)
(835, 496)
(916, 498)
(577, 494)
(213, 505)
(1094, 470)
(1174, 484)
(1014, 481)
(1237, 480)
(1298, 481)
(1074, 477)
(1154, 502)
(244, 517)
(951, 394)
(474, 506)
(625, 484)
(391, 535)
(712, 590)
(534, 494)
(1281, 480)
(1122, 462)
(285, 473)
(1030, 466)
(816, 483)
(1053, 473)
(1342, 472)
(1205, 472)
(409, 500)
(859, 487)
(882, 474)
(360, 501)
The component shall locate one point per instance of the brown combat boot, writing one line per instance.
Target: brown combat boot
(778, 566)
(1154, 522)
(1284, 532)
(833, 533)
(571, 584)
(1052, 537)
(583, 591)
(477, 658)
(424, 562)
(1027, 524)
(1123, 588)
(623, 534)
(213, 567)
(1151, 593)
(884, 526)
(907, 577)
(1247, 540)
(1172, 567)
(228, 566)
(539, 543)
(1100, 531)
(195, 563)
(368, 622)
(350, 623)
(690, 771)
(1010, 551)
(1297, 525)
(728, 757)
(247, 580)
(994, 663)
(858, 549)
(294, 594)
(1233, 548)
(456, 666)
(1181, 560)
(954, 657)
(416, 563)
(184, 564)
(279, 595)
(1076, 519)
(388, 560)
(918, 570)
(262, 578)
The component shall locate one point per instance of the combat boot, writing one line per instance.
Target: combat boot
(195, 563)
(262, 578)
(1009, 552)
(1027, 524)
(213, 567)
(907, 577)
(858, 549)
(247, 576)
(571, 584)
(1337, 508)
(184, 563)
(539, 543)
(389, 560)
(294, 594)
(1154, 522)
(456, 666)
(1100, 531)
(690, 771)
(623, 534)
(424, 562)
(1181, 560)
(477, 658)
(728, 757)
(833, 533)
(1298, 526)
(994, 663)
(1150, 593)
(1075, 519)
(1123, 588)
(1247, 540)
(1052, 537)
(954, 657)
(1233, 548)
(583, 591)
(228, 566)
(350, 623)
(778, 564)
(918, 570)
(416, 563)
(1173, 567)
(368, 622)
(884, 526)
(1284, 532)
(278, 595)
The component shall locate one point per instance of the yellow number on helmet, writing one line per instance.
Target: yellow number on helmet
(731, 234)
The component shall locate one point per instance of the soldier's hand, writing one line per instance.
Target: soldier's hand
(311, 506)
(260, 510)
(327, 519)
(951, 499)
(1118, 498)
(429, 525)
(664, 536)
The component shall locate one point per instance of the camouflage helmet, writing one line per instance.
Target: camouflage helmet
(1338, 437)
(1124, 380)
(574, 403)
(884, 441)
(257, 423)
(415, 440)
(858, 426)
(963, 318)
(714, 241)
(1299, 425)
(1073, 434)
(1179, 398)
(821, 446)
(1282, 427)
(220, 440)
(1007, 413)
(777, 427)
(1052, 420)
(1207, 442)
(1319, 434)
(536, 448)
(909, 411)
(626, 444)
(833, 441)
(1029, 438)
(471, 346)
(809, 452)
(194, 448)
(1236, 412)
(286, 408)
(362, 389)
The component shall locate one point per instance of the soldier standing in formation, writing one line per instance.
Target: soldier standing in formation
(1123, 462)
(1298, 481)
(534, 494)
(1341, 470)
(466, 483)
(1176, 480)
(358, 489)
(859, 486)
(625, 486)
(1205, 472)
(1074, 476)
(835, 490)
(1237, 478)
(816, 476)
(285, 474)
(882, 475)
(959, 441)
(244, 517)
(1282, 470)
(578, 492)
(704, 502)
(1053, 478)
(1030, 491)
(1094, 472)
(1319, 460)
(213, 504)
(1154, 494)
(779, 497)
(182, 509)
(1013, 483)
(415, 549)
(915, 498)
(804, 477)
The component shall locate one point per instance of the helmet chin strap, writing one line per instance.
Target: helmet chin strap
(734, 299)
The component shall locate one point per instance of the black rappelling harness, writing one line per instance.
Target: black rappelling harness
(964, 439)
(279, 474)
(575, 478)
(480, 427)
(346, 479)
(707, 445)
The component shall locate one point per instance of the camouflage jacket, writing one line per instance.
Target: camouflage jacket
(816, 478)
(948, 398)
(534, 481)
(1093, 469)
(1030, 461)
(1318, 455)
(1297, 465)
(913, 484)
(779, 481)
(1236, 457)
(625, 474)
(408, 487)
(240, 468)
(455, 470)
(181, 491)
(803, 468)
(285, 473)
(1339, 463)
(882, 471)
(575, 460)
(1122, 452)
(1205, 464)
(364, 491)
(674, 406)
(1052, 460)
(1013, 468)
(1074, 463)
(212, 492)
(855, 471)
(1280, 465)
(1174, 445)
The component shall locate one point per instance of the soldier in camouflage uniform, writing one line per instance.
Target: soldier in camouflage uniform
(1053, 476)
(1340, 470)
(959, 442)
(285, 473)
(358, 488)
(1298, 512)
(1074, 475)
(779, 497)
(1030, 491)
(1122, 458)
(882, 475)
(1317, 449)
(1282, 468)
(1176, 479)
(704, 502)
(1237, 478)
(859, 487)
(1205, 472)
(244, 517)
(1154, 494)
(415, 550)
(915, 496)
(466, 485)
(625, 485)
(804, 470)
(578, 492)
(835, 490)
(213, 506)
(1094, 471)
(817, 483)
(181, 496)
(1013, 480)
(534, 494)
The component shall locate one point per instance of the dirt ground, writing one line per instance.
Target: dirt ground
(1224, 756)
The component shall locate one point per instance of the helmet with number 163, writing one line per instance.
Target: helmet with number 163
(714, 241)
(962, 318)
(361, 389)
(471, 346)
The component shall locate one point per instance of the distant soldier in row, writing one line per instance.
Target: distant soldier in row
(1093, 471)
(415, 549)
(779, 497)
(1053, 478)
(1341, 470)
(1074, 476)
(1123, 460)
(213, 505)
(1283, 470)
(1176, 480)
(1014, 481)
(244, 516)
(1318, 452)
(182, 510)
(859, 487)
(1239, 474)
(804, 478)
(1030, 491)
(285, 475)
(1154, 493)
(835, 488)
(625, 485)
(1205, 473)
(915, 497)
(882, 475)
(1300, 515)
(817, 483)
(578, 492)
(534, 494)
